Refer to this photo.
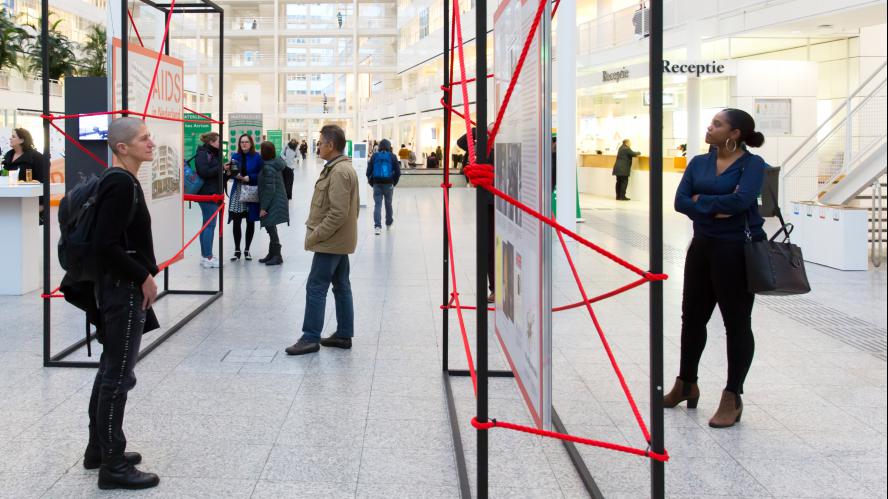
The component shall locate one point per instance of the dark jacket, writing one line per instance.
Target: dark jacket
(124, 247)
(272, 193)
(383, 155)
(735, 192)
(29, 160)
(623, 164)
(208, 165)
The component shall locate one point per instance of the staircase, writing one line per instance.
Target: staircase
(843, 163)
(873, 199)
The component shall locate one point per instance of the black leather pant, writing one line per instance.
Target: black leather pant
(123, 321)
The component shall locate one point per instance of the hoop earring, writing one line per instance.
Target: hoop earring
(727, 145)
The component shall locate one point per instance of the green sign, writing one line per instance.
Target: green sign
(276, 137)
(193, 131)
(348, 148)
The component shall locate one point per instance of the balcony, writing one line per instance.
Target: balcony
(621, 27)
(18, 83)
(342, 63)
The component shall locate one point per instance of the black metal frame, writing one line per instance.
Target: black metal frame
(57, 360)
(483, 224)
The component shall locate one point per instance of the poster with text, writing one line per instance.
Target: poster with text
(522, 267)
(161, 179)
(241, 124)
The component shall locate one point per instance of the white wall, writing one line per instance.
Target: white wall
(872, 49)
(775, 79)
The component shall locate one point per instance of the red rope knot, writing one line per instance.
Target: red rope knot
(48, 117)
(480, 174)
(655, 277)
(483, 426)
(446, 185)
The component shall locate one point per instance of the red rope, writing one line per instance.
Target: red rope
(465, 89)
(455, 296)
(605, 296)
(133, 23)
(664, 457)
(166, 32)
(604, 342)
(79, 145)
(470, 80)
(205, 117)
(483, 175)
(182, 251)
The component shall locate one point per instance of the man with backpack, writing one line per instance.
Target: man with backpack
(122, 254)
(383, 173)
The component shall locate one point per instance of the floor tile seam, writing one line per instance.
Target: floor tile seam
(367, 414)
(279, 432)
(748, 472)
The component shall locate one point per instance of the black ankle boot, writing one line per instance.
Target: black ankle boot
(274, 255)
(122, 475)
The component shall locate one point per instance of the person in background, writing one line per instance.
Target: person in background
(432, 161)
(208, 165)
(463, 144)
(249, 164)
(303, 150)
(332, 234)
(623, 167)
(719, 193)
(125, 292)
(291, 153)
(383, 173)
(291, 157)
(22, 157)
(273, 208)
(403, 152)
(439, 153)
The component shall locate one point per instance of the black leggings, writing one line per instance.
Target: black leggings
(236, 229)
(715, 274)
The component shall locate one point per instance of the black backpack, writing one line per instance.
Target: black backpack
(77, 220)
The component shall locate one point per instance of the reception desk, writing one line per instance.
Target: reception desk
(594, 176)
(639, 163)
(21, 263)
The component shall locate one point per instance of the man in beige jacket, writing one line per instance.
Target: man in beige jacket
(332, 234)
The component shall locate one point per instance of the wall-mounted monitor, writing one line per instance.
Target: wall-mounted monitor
(359, 151)
(93, 127)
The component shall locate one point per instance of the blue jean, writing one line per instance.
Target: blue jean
(327, 269)
(206, 237)
(381, 191)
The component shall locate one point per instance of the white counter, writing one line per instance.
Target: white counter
(21, 264)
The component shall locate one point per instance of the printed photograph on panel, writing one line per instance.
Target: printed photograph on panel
(165, 176)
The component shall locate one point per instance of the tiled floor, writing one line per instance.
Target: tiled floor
(220, 411)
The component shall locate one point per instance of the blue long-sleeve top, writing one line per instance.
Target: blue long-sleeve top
(735, 192)
(250, 166)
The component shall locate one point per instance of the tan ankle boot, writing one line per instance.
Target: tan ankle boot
(680, 392)
(729, 411)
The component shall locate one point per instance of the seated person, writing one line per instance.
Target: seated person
(403, 152)
(432, 161)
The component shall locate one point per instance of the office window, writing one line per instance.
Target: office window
(423, 23)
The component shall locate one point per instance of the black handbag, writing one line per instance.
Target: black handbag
(775, 268)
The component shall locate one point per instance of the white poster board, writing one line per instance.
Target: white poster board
(773, 116)
(522, 159)
(161, 179)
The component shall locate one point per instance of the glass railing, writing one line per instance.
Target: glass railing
(622, 27)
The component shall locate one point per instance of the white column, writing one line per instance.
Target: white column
(357, 84)
(566, 149)
(276, 61)
(695, 130)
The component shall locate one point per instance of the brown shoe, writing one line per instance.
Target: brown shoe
(729, 411)
(680, 392)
